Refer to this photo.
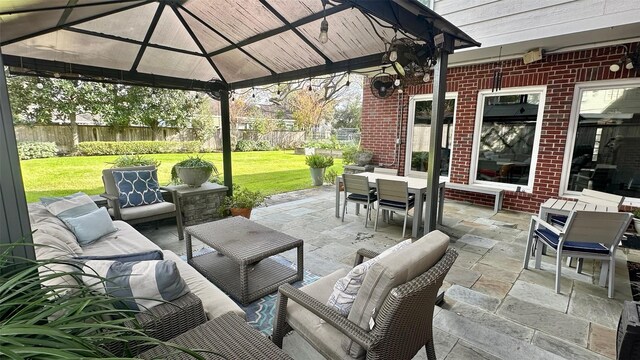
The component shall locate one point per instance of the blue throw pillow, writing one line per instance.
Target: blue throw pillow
(137, 187)
(92, 226)
(141, 256)
(140, 284)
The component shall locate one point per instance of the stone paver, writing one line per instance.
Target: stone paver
(494, 322)
(462, 276)
(494, 273)
(494, 288)
(549, 321)
(566, 350)
(472, 297)
(477, 241)
(595, 309)
(539, 295)
(603, 340)
(465, 351)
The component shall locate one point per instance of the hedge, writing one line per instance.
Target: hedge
(137, 147)
(250, 145)
(36, 150)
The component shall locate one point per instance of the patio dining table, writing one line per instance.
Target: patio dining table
(417, 187)
(564, 207)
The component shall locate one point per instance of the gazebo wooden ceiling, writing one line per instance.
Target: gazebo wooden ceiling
(208, 44)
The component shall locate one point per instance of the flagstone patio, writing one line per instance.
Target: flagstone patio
(493, 309)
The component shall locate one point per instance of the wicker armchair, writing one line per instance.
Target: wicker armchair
(403, 322)
(140, 214)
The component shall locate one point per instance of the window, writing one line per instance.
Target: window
(603, 145)
(419, 133)
(506, 137)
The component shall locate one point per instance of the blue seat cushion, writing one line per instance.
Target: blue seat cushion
(559, 220)
(362, 197)
(551, 239)
(397, 204)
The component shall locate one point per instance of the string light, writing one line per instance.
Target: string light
(324, 26)
(348, 79)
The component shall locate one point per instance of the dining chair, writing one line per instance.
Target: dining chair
(587, 234)
(394, 195)
(385, 171)
(357, 190)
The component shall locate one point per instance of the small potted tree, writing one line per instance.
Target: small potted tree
(636, 220)
(317, 165)
(241, 202)
(193, 171)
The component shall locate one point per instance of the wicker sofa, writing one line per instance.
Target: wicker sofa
(205, 301)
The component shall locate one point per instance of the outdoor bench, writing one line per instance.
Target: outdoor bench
(497, 193)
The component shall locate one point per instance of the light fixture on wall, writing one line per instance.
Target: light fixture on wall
(630, 60)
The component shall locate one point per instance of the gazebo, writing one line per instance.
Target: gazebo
(214, 46)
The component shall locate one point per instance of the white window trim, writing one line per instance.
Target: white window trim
(536, 141)
(573, 128)
(410, 123)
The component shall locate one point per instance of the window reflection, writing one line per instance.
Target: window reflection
(606, 151)
(422, 136)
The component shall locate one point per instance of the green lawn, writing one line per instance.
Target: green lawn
(271, 172)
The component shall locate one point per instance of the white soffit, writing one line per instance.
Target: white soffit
(170, 32)
(237, 20)
(236, 66)
(70, 47)
(130, 24)
(169, 63)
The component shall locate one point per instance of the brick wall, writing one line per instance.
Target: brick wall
(382, 119)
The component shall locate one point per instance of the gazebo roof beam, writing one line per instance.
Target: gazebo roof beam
(295, 31)
(39, 67)
(131, 41)
(67, 12)
(147, 37)
(75, 22)
(276, 31)
(232, 46)
(68, 6)
(197, 41)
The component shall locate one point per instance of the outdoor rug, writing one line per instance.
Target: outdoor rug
(261, 312)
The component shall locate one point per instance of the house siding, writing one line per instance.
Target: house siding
(558, 72)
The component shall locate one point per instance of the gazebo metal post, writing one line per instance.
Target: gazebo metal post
(14, 218)
(444, 44)
(225, 116)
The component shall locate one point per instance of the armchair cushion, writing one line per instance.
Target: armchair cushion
(552, 240)
(137, 188)
(139, 212)
(346, 288)
(391, 271)
(323, 336)
(150, 282)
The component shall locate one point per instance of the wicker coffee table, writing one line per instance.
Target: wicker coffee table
(241, 266)
(225, 337)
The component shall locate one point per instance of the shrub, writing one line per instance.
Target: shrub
(134, 160)
(137, 147)
(318, 161)
(37, 150)
(330, 176)
(349, 154)
(245, 145)
(263, 145)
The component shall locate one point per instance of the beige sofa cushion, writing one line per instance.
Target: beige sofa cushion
(49, 247)
(395, 269)
(43, 222)
(322, 336)
(143, 211)
(214, 300)
(126, 240)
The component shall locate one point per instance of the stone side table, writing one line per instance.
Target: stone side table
(200, 205)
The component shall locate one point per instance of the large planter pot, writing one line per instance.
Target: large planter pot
(636, 224)
(193, 176)
(317, 176)
(244, 212)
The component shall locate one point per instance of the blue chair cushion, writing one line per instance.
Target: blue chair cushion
(137, 188)
(552, 240)
(361, 197)
(559, 220)
(397, 204)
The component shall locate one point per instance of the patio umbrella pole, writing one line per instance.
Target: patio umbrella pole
(444, 44)
(14, 219)
(226, 140)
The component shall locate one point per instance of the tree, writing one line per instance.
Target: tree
(348, 116)
(310, 109)
(36, 100)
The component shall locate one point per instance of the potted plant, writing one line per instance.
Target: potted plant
(636, 220)
(193, 171)
(241, 202)
(363, 157)
(317, 165)
(134, 160)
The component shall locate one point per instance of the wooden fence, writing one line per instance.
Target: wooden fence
(61, 135)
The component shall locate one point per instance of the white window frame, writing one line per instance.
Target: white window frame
(573, 129)
(410, 124)
(536, 142)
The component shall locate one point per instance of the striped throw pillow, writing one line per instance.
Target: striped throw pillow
(70, 206)
(140, 285)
